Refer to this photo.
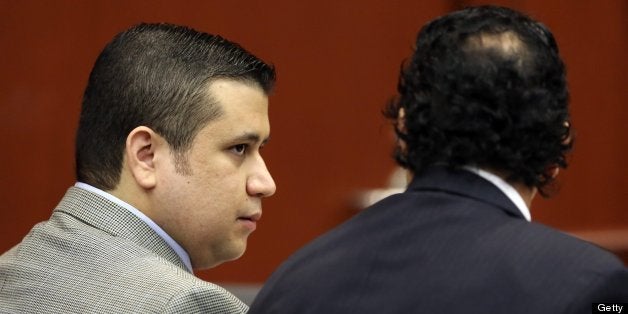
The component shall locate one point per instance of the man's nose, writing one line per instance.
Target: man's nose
(261, 183)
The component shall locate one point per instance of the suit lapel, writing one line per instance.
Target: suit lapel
(464, 183)
(111, 218)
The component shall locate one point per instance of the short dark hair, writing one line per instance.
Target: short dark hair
(485, 87)
(155, 75)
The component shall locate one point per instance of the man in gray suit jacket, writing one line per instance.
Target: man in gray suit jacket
(170, 179)
(483, 125)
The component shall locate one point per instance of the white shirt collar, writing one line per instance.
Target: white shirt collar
(171, 242)
(506, 188)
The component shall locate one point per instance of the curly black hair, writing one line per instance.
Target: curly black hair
(485, 87)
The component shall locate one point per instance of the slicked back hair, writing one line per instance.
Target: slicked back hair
(485, 87)
(155, 75)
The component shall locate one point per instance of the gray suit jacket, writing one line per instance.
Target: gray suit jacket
(95, 256)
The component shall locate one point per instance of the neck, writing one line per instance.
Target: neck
(527, 193)
(130, 193)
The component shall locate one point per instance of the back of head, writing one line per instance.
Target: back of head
(155, 75)
(485, 87)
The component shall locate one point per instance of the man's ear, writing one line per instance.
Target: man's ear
(401, 126)
(141, 144)
(401, 119)
(553, 171)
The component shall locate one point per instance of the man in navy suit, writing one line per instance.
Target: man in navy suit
(483, 125)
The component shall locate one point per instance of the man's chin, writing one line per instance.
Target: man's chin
(232, 255)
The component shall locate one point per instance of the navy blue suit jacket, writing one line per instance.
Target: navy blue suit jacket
(452, 243)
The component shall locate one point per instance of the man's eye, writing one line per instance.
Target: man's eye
(239, 149)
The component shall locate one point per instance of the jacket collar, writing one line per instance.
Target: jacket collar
(465, 183)
(115, 220)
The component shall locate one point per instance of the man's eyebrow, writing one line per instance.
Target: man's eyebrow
(251, 137)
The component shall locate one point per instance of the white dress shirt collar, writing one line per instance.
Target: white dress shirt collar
(506, 188)
(183, 255)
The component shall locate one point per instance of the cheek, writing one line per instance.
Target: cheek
(223, 181)
(212, 198)
(216, 188)
(213, 186)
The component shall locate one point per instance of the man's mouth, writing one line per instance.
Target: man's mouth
(250, 221)
(254, 217)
